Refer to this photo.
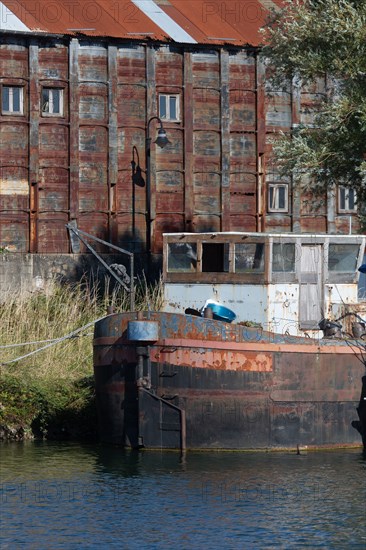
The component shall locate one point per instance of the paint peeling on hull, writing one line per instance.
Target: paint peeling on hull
(150, 395)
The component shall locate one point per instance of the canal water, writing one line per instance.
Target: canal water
(70, 496)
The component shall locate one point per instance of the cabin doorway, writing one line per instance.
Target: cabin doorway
(311, 286)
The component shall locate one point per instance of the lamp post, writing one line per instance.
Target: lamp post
(161, 141)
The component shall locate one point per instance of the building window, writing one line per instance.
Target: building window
(347, 199)
(52, 101)
(12, 100)
(169, 107)
(277, 197)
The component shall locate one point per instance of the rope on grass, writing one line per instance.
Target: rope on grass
(72, 334)
(7, 346)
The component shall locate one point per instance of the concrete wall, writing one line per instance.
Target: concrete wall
(31, 272)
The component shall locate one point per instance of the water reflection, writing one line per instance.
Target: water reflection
(68, 496)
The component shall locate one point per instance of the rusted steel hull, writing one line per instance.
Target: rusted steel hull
(177, 381)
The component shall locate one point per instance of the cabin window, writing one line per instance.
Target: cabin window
(277, 197)
(249, 258)
(52, 102)
(215, 257)
(283, 258)
(347, 199)
(12, 100)
(182, 257)
(169, 107)
(343, 257)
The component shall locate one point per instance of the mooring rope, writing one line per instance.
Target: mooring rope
(51, 343)
(7, 346)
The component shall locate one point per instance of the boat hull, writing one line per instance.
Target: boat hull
(176, 381)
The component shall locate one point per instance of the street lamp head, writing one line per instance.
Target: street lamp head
(162, 139)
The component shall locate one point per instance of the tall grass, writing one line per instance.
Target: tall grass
(31, 320)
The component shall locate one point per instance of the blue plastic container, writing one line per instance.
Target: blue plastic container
(221, 313)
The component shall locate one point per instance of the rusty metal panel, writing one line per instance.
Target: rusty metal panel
(131, 141)
(74, 129)
(93, 202)
(244, 203)
(93, 102)
(206, 222)
(169, 181)
(93, 153)
(14, 231)
(206, 109)
(54, 189)
(345, 224)
(53, 63)
(53, 144)
(52, 233)
(207, 149)
(240, 221)
(171, 222)
(242, 182)
(95, 225)
(310, 105)
(215, 22)
(14, 180)
(14, 141)
(279, 222)
(243, 150)
(309, 203)
(92, 63)
(242, 70)
(34, 117)
(278, 109)
(242, 110)
(131, 105)
(169, 69)
(130, 195)
(124, 191)
(131, 230)
(188, 140)
(171, 157)
(170, 203)
(311, 96)
(92, 141)
(314, 224)
(132, 64)
(14, 188)
(93, 197)
(206, 70)
(207, 193)
(14, 61)
(119, 19)
(112, 137)
(242, 83)
(243, 142)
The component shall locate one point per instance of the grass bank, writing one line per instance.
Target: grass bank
(50, 393)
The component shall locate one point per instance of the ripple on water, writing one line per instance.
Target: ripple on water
(88, 496)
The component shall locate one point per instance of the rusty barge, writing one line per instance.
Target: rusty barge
(186, 380)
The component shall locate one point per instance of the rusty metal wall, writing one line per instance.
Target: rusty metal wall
(89, 164)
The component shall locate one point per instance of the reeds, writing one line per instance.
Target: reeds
(28, 323)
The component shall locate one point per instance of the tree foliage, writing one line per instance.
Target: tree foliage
(309, 39)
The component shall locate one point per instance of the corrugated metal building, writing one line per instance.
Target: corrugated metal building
(81, 81)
